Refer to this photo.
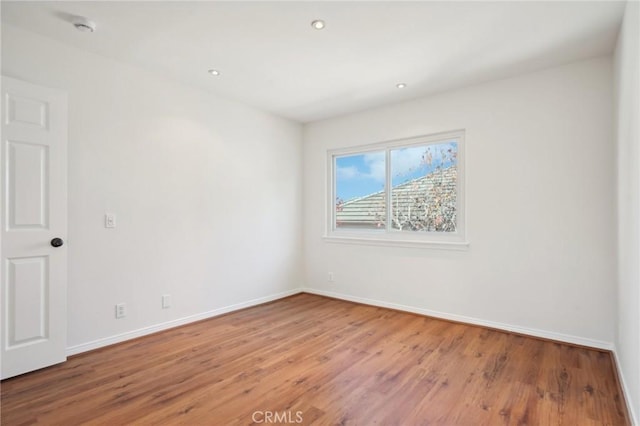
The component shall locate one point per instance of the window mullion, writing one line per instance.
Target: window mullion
(387, 188)
(333, 193)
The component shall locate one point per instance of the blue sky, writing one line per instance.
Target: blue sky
(364, 174)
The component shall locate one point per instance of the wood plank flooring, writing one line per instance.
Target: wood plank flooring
(308, 359)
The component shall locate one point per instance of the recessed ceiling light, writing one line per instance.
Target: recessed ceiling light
(83, 24)
(401, 85)
(318, 24)
(214, 72)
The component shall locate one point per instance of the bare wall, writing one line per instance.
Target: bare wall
(206, 211)
(540, 207)
(627, 91)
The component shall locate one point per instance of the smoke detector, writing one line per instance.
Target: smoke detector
(83, 24)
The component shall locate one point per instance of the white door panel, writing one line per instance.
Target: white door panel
(34, 199)
(27, 286)
(27, 192)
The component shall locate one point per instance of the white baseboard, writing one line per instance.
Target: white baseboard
(598, 344)
(84, 347)
(576, 340)
(95, 344)
(625, 391)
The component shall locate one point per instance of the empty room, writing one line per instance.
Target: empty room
(320, 213)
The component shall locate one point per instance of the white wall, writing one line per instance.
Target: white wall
(207, 192)
(540, 207)
(208, 197)
(627, 91)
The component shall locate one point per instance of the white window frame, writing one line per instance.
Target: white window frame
(388, 236)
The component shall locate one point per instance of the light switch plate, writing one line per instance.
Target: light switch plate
(109, 220)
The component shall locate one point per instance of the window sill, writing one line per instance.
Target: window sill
(421, 244)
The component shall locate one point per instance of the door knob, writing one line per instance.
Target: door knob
(57, 242)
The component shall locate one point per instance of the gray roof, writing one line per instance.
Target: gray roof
(423, 203)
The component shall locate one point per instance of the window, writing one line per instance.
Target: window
(406, 191)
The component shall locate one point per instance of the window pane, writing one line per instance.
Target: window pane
(360, 195)
(423, 187)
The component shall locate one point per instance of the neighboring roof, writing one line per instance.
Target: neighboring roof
(414, 201)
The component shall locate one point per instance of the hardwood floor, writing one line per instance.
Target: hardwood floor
(313, 360)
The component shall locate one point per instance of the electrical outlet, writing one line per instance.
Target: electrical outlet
(121, 310)
(330, 277)
(166, 301)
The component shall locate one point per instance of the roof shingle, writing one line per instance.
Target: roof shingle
(427, 203)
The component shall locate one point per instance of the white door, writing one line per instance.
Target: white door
(33, 304)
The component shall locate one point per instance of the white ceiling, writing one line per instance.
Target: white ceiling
(270, 57)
